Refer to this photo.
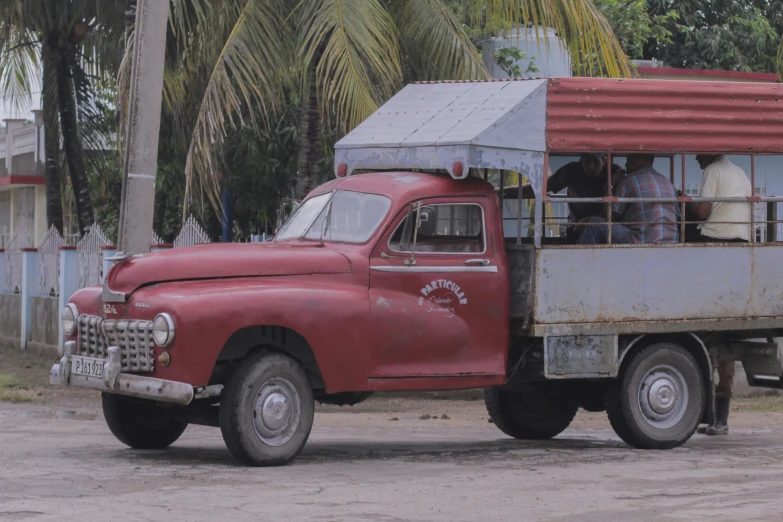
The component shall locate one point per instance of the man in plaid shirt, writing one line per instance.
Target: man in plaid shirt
(647, 222)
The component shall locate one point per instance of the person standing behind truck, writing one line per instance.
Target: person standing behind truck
(723, 222)
(644, 222)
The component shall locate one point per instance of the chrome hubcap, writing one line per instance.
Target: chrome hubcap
(663, 396)
(276, 411)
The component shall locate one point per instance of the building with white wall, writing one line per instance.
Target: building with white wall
(22, 195)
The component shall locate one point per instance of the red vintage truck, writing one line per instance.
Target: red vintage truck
(412, 276)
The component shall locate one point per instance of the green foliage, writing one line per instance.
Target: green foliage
(231, 61)
(719, 34)
(635, 26)
(508, 59)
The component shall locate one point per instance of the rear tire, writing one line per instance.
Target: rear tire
(534, 414)
(266, 410)
(140, 423)
(658, 398)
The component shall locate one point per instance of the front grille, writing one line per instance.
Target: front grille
(133, 337)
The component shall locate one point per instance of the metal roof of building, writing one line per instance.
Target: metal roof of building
(510, 124)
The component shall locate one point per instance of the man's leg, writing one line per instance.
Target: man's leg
(723, 393)
(596, 232)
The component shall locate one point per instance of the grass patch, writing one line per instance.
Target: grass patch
(12, 390)
(759, 404)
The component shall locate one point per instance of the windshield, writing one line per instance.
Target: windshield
(349, 217)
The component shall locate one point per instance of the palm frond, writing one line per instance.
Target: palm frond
(355, 47)
(436, 41)
(244, 72)
(19, 67)
(586, 33)
(779, 64)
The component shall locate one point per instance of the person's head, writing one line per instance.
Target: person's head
(706, 159)
(593, 165)
(635, 162)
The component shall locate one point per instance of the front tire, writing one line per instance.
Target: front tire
(141, 424)
(658, 398)
(534, 414)
(266, 410)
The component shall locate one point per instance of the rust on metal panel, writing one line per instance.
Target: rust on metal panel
(600, 114)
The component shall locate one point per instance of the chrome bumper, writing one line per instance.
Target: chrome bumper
(120, 383)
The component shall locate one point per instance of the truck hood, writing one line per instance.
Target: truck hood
(223, 260)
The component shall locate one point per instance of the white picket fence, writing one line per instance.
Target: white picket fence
(89, 259)
(12, 278)
(191, 234)
(48, 263)
(89, 256)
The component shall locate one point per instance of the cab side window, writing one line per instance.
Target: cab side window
(444, 229)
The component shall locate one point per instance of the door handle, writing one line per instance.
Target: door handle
(482, 262)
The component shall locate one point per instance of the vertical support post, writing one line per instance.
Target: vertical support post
(683, 222)
(772, 221)
(609, 194)
(40, 152)
(519, 210)
(67, 285)
(11, 125)
(28, 292)
(753, 194)
(538, 214)
(3, 264)
(502, 200)
(141, 147)
(107, 251)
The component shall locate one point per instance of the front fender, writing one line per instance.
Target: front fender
(331, 314)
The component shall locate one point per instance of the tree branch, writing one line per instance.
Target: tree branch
(23, 44)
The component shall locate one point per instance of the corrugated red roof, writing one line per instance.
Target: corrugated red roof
(618, 115)
(708, 73)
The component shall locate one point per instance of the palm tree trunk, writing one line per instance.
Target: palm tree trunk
(310, 149)
(54, 200)
(74, 155)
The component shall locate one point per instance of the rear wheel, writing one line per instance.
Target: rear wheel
(266, 410)
(658, 398)
(140, 423)
(535, 413)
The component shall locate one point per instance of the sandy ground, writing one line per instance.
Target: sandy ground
(383, 460)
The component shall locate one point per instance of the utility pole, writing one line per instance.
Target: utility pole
(141, 137)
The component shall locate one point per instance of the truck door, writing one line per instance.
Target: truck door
(439, 307)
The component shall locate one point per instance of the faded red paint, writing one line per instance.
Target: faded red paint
(611, 115)
(327, 293)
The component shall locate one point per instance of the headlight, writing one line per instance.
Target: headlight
(68, 318)
(163, 330)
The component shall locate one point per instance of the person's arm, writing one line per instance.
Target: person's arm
(709, 189)
(561, 178)
(623, 190)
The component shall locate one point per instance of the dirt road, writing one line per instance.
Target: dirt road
(61, 463)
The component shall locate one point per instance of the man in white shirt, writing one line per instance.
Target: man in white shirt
(722, 222)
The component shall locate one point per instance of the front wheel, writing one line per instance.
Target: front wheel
(535, 413)
(266, 410)
(141, 424)
(658, 398)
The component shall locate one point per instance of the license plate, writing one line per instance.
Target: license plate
(87, 366)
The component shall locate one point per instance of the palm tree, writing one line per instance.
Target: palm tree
(73, 43)
(780, 61)
(344, 57)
